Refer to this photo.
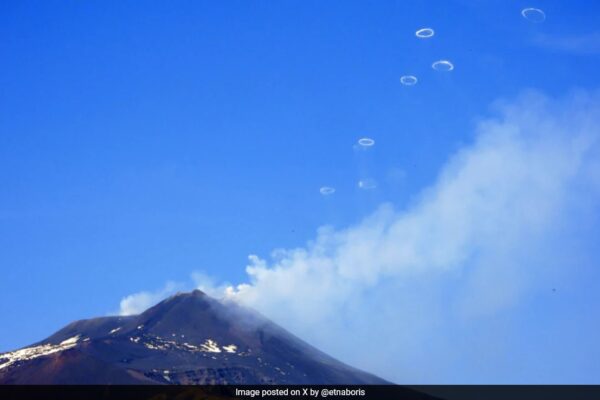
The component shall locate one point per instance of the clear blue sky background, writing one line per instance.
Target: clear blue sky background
(140, 141)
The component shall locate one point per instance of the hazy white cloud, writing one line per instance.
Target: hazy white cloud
(585, 44)
(209, 284)
(400, 293)
(139, 302)
(450, 289)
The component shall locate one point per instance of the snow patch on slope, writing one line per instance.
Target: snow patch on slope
(29, 353)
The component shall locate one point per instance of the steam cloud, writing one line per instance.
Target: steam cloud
(141, 301)
(455, 288)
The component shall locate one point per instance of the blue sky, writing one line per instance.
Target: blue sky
(142, 142)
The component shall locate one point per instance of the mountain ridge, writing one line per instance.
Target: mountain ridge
(188, 338)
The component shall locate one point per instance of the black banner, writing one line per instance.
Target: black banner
(301, 392)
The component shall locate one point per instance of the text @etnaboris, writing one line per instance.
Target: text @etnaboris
(321, 392)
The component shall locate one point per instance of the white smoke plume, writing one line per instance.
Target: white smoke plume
(456, 287)
(416, 294)
(139, 302)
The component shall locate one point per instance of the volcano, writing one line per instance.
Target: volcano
(189, 338)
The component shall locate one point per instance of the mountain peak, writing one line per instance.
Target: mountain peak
(183, 296)
(188, 338)
(193, 293)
